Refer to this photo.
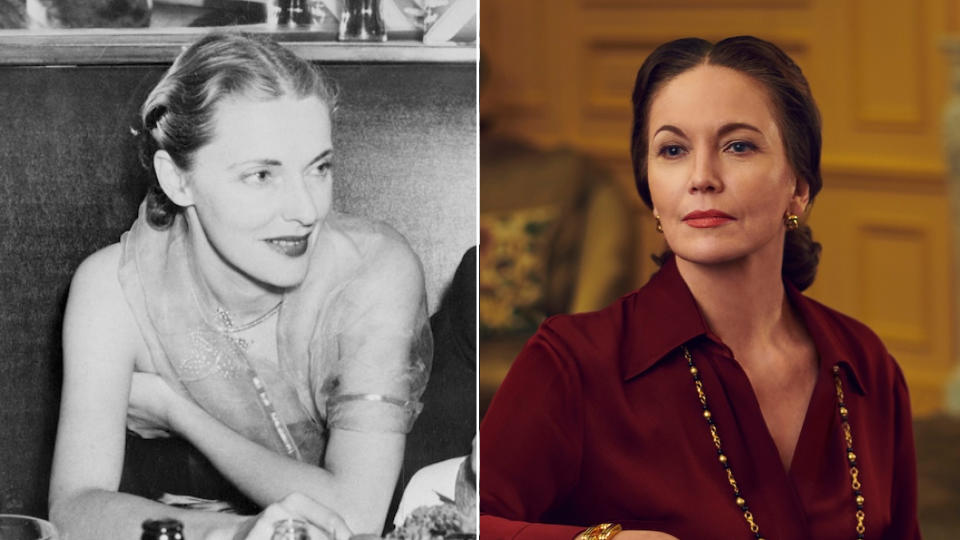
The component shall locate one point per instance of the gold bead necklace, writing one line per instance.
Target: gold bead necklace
(725, 462)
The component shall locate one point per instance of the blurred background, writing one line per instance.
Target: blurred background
(562, 229)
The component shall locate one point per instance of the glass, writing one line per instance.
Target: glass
(162, 529)
(293, 13)
(361, 20)
(302, 14)
(290, 529)
(15, 527)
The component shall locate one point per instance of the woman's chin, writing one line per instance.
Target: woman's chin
(711, 255)
(280, 279)
(722, 251)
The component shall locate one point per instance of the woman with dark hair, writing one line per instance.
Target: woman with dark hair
(717, 401)
(285, 342)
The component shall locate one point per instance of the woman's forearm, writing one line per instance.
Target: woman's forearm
(495, 527)
(266, 476)
(95, 514)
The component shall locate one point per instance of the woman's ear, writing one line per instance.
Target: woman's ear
(172, 180)
(801, 197)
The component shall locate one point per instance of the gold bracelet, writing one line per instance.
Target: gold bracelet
(603, 531)
(586, 534)
(609, 529)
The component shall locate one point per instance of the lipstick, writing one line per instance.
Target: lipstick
(705, 219)
(291, 246)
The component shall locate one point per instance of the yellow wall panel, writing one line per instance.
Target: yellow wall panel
(520, 82)
(885, 42)
(886, 261)
(609, 76)
(880, 79)
(893, 302)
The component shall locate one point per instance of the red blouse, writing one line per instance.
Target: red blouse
(598, 421)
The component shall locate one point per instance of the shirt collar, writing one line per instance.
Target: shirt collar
(666, 316)
(833, 336)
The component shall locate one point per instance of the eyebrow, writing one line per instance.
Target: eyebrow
(249, 162)
(323, 155)
(727, 128)
(275, 163)
(724, 129)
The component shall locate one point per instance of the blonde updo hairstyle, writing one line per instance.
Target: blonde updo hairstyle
(178, 115)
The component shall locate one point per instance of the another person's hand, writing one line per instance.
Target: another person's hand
(151, 399)
(322, 522)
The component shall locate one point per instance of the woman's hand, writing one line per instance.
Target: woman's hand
(322, 523)
(151, 401)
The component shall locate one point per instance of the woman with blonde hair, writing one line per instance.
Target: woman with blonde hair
(285, 342)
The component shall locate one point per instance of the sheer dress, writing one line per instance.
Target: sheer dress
(353, 340)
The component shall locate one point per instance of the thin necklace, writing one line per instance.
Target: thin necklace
(725, 462)
(230, 328)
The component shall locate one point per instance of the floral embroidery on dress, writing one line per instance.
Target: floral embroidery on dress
(209, 357)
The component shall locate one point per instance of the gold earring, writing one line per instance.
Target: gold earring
(792, 221)
(659, 225)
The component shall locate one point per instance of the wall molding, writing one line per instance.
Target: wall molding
(878, 236)
(873, 105)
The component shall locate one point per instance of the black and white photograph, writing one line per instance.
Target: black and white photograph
(238, 269)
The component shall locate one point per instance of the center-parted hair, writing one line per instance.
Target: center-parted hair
(178, 114)
(795, 111)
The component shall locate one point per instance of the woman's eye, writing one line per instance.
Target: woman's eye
(324, 168)
(671, 151)
(320, 169)
(258, 177)
(741, 147)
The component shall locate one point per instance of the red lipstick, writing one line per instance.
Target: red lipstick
(705, 219)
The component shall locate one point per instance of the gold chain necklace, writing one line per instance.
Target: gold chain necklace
(725, 462)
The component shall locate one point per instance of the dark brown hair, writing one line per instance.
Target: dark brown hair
(178, 114)
(796, 114)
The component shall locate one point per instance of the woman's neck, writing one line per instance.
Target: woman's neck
(241, 296)
(743, 301)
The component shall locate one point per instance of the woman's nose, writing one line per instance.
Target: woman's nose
(298, 202)
(705, 176)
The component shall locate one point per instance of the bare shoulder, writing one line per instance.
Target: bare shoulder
(96, 286)
(97, 310)
(99, 269)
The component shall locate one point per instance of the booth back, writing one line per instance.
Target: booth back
(70, 183)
